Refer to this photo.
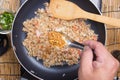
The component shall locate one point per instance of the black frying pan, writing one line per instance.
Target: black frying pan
(35, 67)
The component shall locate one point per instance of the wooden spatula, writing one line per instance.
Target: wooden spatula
(67, 10)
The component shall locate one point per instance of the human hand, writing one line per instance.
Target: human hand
(103, 68)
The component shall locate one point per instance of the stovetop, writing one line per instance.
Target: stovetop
(24, 74)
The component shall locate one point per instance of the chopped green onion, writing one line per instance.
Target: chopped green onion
(6, 20)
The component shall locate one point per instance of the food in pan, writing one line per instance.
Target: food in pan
(56, 39)
(37, 43)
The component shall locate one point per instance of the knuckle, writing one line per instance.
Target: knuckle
(99, 44)
(116, 64)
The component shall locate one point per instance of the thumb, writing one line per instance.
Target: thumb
(86, 58)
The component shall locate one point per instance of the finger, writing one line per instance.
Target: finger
(98, 47)
(86, 59)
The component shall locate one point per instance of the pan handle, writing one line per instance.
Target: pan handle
(4, 44)
(116, 54)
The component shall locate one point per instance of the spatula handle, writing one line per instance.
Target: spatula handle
(104, 19)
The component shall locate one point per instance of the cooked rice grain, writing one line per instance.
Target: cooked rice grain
(37, 42)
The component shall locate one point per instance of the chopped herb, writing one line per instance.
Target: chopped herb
(6, 20)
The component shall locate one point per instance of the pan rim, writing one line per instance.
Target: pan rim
(104, 24)
(15, 48)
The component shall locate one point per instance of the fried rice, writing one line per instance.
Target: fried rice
(37, 43)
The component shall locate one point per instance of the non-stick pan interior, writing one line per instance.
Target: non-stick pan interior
(35, 67)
